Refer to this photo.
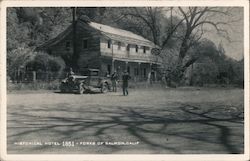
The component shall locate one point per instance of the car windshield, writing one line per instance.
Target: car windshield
(94, 73)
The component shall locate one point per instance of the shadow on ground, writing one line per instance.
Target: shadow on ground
(180, 128)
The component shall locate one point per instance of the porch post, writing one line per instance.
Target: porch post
(126, 65)
(113, 66)
(139, 70)
(150, 74)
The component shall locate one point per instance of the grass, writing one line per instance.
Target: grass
(33, 86)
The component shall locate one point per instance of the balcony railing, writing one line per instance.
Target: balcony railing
(131, 56)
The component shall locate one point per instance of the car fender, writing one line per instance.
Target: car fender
(106, 82)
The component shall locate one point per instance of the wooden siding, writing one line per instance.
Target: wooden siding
(60, 48)
(88, 57)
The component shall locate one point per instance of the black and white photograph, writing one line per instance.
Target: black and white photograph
(153, 79)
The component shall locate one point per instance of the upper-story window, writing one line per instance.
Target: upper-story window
(85, 43)
(136, 48)
(128, 47)
(109, 44)
(144, 49)
(67, 45)
(119, 45)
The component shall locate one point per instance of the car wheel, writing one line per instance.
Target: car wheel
(104, 88)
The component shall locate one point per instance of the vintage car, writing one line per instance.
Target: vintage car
(90, 81)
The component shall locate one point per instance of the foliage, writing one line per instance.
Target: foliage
(44, 62)
(17, 60)
(22, 59)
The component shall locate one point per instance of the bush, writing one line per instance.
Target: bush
(44, 62)
(17, 60)
(23, 60)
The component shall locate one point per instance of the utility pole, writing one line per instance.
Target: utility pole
(74, 56)
(113, 61)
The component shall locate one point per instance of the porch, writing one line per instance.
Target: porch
(139, 71)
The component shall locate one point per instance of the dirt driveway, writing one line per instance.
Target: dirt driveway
(152, 121)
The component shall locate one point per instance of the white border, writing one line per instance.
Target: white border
(62, 3)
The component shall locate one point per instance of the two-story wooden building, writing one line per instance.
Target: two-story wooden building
(106, 48)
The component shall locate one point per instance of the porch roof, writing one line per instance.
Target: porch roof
(158, 62)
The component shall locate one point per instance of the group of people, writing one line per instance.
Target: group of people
(125, 78)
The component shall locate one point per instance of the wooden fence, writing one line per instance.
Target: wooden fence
(36, 76)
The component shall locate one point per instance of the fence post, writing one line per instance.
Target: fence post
(18, 75)
(15, 76)
(34, 76)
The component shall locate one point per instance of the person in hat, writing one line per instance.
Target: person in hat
(125, 78)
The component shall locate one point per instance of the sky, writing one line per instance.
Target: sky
(235, 47)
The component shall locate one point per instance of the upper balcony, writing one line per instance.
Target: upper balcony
(129, 52)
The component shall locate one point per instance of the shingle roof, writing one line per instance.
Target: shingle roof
(111, 32)
(120, 34)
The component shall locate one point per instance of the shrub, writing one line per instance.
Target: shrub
(44, 62)
(17, 60)
(24, 60)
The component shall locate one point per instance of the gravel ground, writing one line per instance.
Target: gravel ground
(148, 121)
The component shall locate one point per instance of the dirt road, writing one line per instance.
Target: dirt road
(152, 121)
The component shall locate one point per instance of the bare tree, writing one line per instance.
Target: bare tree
(148, 16)
(196, 20)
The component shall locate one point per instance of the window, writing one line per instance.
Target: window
(144, 49)
(128, 47)
(136, 48)
(67, 44)
(109, 44)
(85, 44)
(128, 69)
(119, 45)
(94, 73)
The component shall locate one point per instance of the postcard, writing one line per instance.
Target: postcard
(124, 80)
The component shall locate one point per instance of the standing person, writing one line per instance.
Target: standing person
(114, 78)
(125, 78)
(70, 72)
(149, 78)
